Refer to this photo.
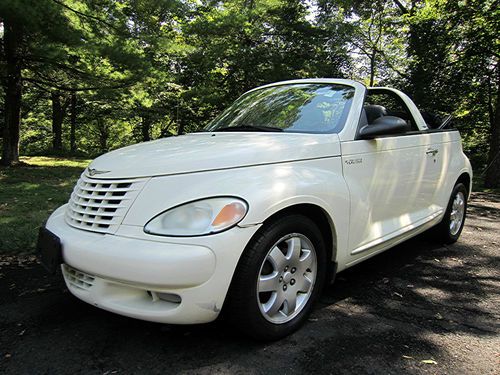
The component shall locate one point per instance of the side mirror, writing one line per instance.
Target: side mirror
(383, 126)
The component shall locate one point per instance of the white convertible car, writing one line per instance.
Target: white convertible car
(294, 182)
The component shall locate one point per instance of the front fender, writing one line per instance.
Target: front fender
(267, 188)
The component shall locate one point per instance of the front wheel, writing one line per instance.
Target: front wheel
(278, 278)
(453, 221)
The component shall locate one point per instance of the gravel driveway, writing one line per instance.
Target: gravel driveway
(416, 309)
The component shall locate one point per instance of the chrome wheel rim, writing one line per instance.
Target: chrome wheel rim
(286, 278)
(457, 213)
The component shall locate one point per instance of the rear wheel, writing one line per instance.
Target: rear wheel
(279, 277)
(450, 228)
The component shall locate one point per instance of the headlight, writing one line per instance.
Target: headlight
(198, 218)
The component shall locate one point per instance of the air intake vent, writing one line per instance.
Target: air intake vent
(78, 279)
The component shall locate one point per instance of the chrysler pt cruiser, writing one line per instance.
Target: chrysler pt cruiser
(294, 182)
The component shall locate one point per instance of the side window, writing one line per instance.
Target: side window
(386, 103)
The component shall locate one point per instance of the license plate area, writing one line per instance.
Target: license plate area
(49, 250)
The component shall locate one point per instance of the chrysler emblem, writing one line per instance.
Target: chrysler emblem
(93, 171)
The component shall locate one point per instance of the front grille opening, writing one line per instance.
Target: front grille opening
(99, 205)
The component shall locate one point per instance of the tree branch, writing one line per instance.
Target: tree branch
(77, 89)
(401, 7)
(85, 15)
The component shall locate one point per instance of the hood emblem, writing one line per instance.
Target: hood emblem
(93, 171)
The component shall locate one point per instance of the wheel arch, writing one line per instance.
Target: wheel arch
(465, 179)
(325, 224)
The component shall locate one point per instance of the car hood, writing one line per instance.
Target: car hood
(211, 151)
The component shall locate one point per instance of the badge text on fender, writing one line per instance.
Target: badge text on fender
(354, 161)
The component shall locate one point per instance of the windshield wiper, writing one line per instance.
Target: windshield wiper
(249, 128)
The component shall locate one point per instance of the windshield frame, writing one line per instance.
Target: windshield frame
(342, 121)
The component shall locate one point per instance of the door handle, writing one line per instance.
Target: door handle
(432, 151)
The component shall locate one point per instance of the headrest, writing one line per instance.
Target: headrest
(373, 112)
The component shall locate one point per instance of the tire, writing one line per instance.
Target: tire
(449, 229)
(283, 263)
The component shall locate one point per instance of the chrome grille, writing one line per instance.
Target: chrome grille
(100, 205)
(78, 279)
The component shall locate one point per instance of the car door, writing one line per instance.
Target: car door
(385, 180)
(392, 181)
(438, 158)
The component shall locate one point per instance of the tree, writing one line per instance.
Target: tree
(62, 46)
(13, 32)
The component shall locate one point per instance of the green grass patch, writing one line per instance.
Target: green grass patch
(29, 193)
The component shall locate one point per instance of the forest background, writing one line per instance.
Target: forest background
(82, 77)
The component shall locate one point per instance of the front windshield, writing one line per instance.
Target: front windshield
(303, 108)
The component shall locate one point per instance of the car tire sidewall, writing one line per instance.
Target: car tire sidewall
(255, 323)
(444, 229)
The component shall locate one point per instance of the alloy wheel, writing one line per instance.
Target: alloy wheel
(286, 278)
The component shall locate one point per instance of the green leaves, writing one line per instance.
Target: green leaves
(151, 68)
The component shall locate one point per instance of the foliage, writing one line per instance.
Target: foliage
(29, 193)
(101, 74)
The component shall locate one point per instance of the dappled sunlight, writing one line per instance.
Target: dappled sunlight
(28, 186)
(29, 193)
(46, 161)
(429, 299)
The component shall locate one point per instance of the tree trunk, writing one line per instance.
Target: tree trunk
(72, 134)
(372, 68)
(103, 135)
(146, 128)
(57, 120)
(13, 92)
(180, 129)
(492, 179)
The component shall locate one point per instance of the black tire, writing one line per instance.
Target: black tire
(443, 232)
(243, 306)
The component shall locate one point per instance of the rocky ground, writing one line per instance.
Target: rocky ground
(416, 309)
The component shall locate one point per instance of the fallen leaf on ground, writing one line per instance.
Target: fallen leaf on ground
(429, 361)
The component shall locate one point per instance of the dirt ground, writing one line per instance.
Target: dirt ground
(416, 309)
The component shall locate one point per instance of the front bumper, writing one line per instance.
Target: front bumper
(178, 281)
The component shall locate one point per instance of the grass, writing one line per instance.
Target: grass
(29, 193)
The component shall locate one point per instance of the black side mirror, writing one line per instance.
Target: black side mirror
(384, 125)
